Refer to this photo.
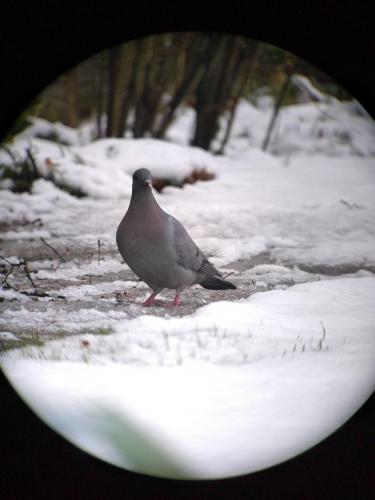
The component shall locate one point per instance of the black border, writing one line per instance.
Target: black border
(40, 41)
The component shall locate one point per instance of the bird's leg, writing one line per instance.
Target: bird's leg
(151, 300)
(176, 301)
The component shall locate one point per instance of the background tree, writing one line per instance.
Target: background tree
(137, 88)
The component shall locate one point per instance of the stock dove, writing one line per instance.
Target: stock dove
(158, 249)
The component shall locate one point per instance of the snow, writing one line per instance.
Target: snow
(8, 336)
(62, 133)
(330, 127)
(103, 169)
(231, 386)
(73, 272)
(9, 295)
(92, 292)
(24, 235)
(218, 412)
(77, 321)
(304, 84)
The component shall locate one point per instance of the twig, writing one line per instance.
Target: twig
(346, 203)
(226, 275)
(351, 205)
(36, 292)
(5, 280)
(53, 249)
(279, 100)
(98, 252)
(32, 161)
(6, 260)
(22, 262)
(42, 294)
(324, 331)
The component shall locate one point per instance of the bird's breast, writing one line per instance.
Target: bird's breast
(138, 236)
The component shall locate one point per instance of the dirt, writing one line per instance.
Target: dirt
(127, 300)
(44, 297)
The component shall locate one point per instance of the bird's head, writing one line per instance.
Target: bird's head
(142, 178)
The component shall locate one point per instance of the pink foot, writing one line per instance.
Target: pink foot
(176, 301)
(150, 301)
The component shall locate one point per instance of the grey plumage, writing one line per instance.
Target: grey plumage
(157, 247)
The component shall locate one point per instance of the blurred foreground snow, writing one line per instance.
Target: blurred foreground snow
(293, 366)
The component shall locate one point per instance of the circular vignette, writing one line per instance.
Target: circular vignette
(322, 333)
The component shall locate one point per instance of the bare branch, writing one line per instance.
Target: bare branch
(38, 293)
(226, 275)
(21, 262)
(32, 161)
(6, 260)
(53, 249)
(5, 280)
(35, 292)
(324, 330)
(24, 263)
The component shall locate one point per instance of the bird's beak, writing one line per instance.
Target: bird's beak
(148, 183)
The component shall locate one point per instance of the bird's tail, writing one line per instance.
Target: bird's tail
(216, 283)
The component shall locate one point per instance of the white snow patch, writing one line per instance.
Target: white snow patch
(73, 271)
(9, 294)
(85, 319)
(8, 336)
(39, 127)
(103, 169)
(91, 292)
(329, 126)
(310, 365)
(25, 235)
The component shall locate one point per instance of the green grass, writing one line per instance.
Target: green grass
(33, 338)
(21, 343)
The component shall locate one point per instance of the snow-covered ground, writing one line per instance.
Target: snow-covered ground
(231, 382)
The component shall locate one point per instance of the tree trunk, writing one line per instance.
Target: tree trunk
(245, 71)
(283, 91)
(100, 95)
(212, 93)
(200, 52)
(140, 71)
(72, 98)
(128, 96)
(116, 79)
(112, 77)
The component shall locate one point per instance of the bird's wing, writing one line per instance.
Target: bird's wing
(208, 268)
(189, 255)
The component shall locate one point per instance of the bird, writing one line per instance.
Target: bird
(158, 249)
